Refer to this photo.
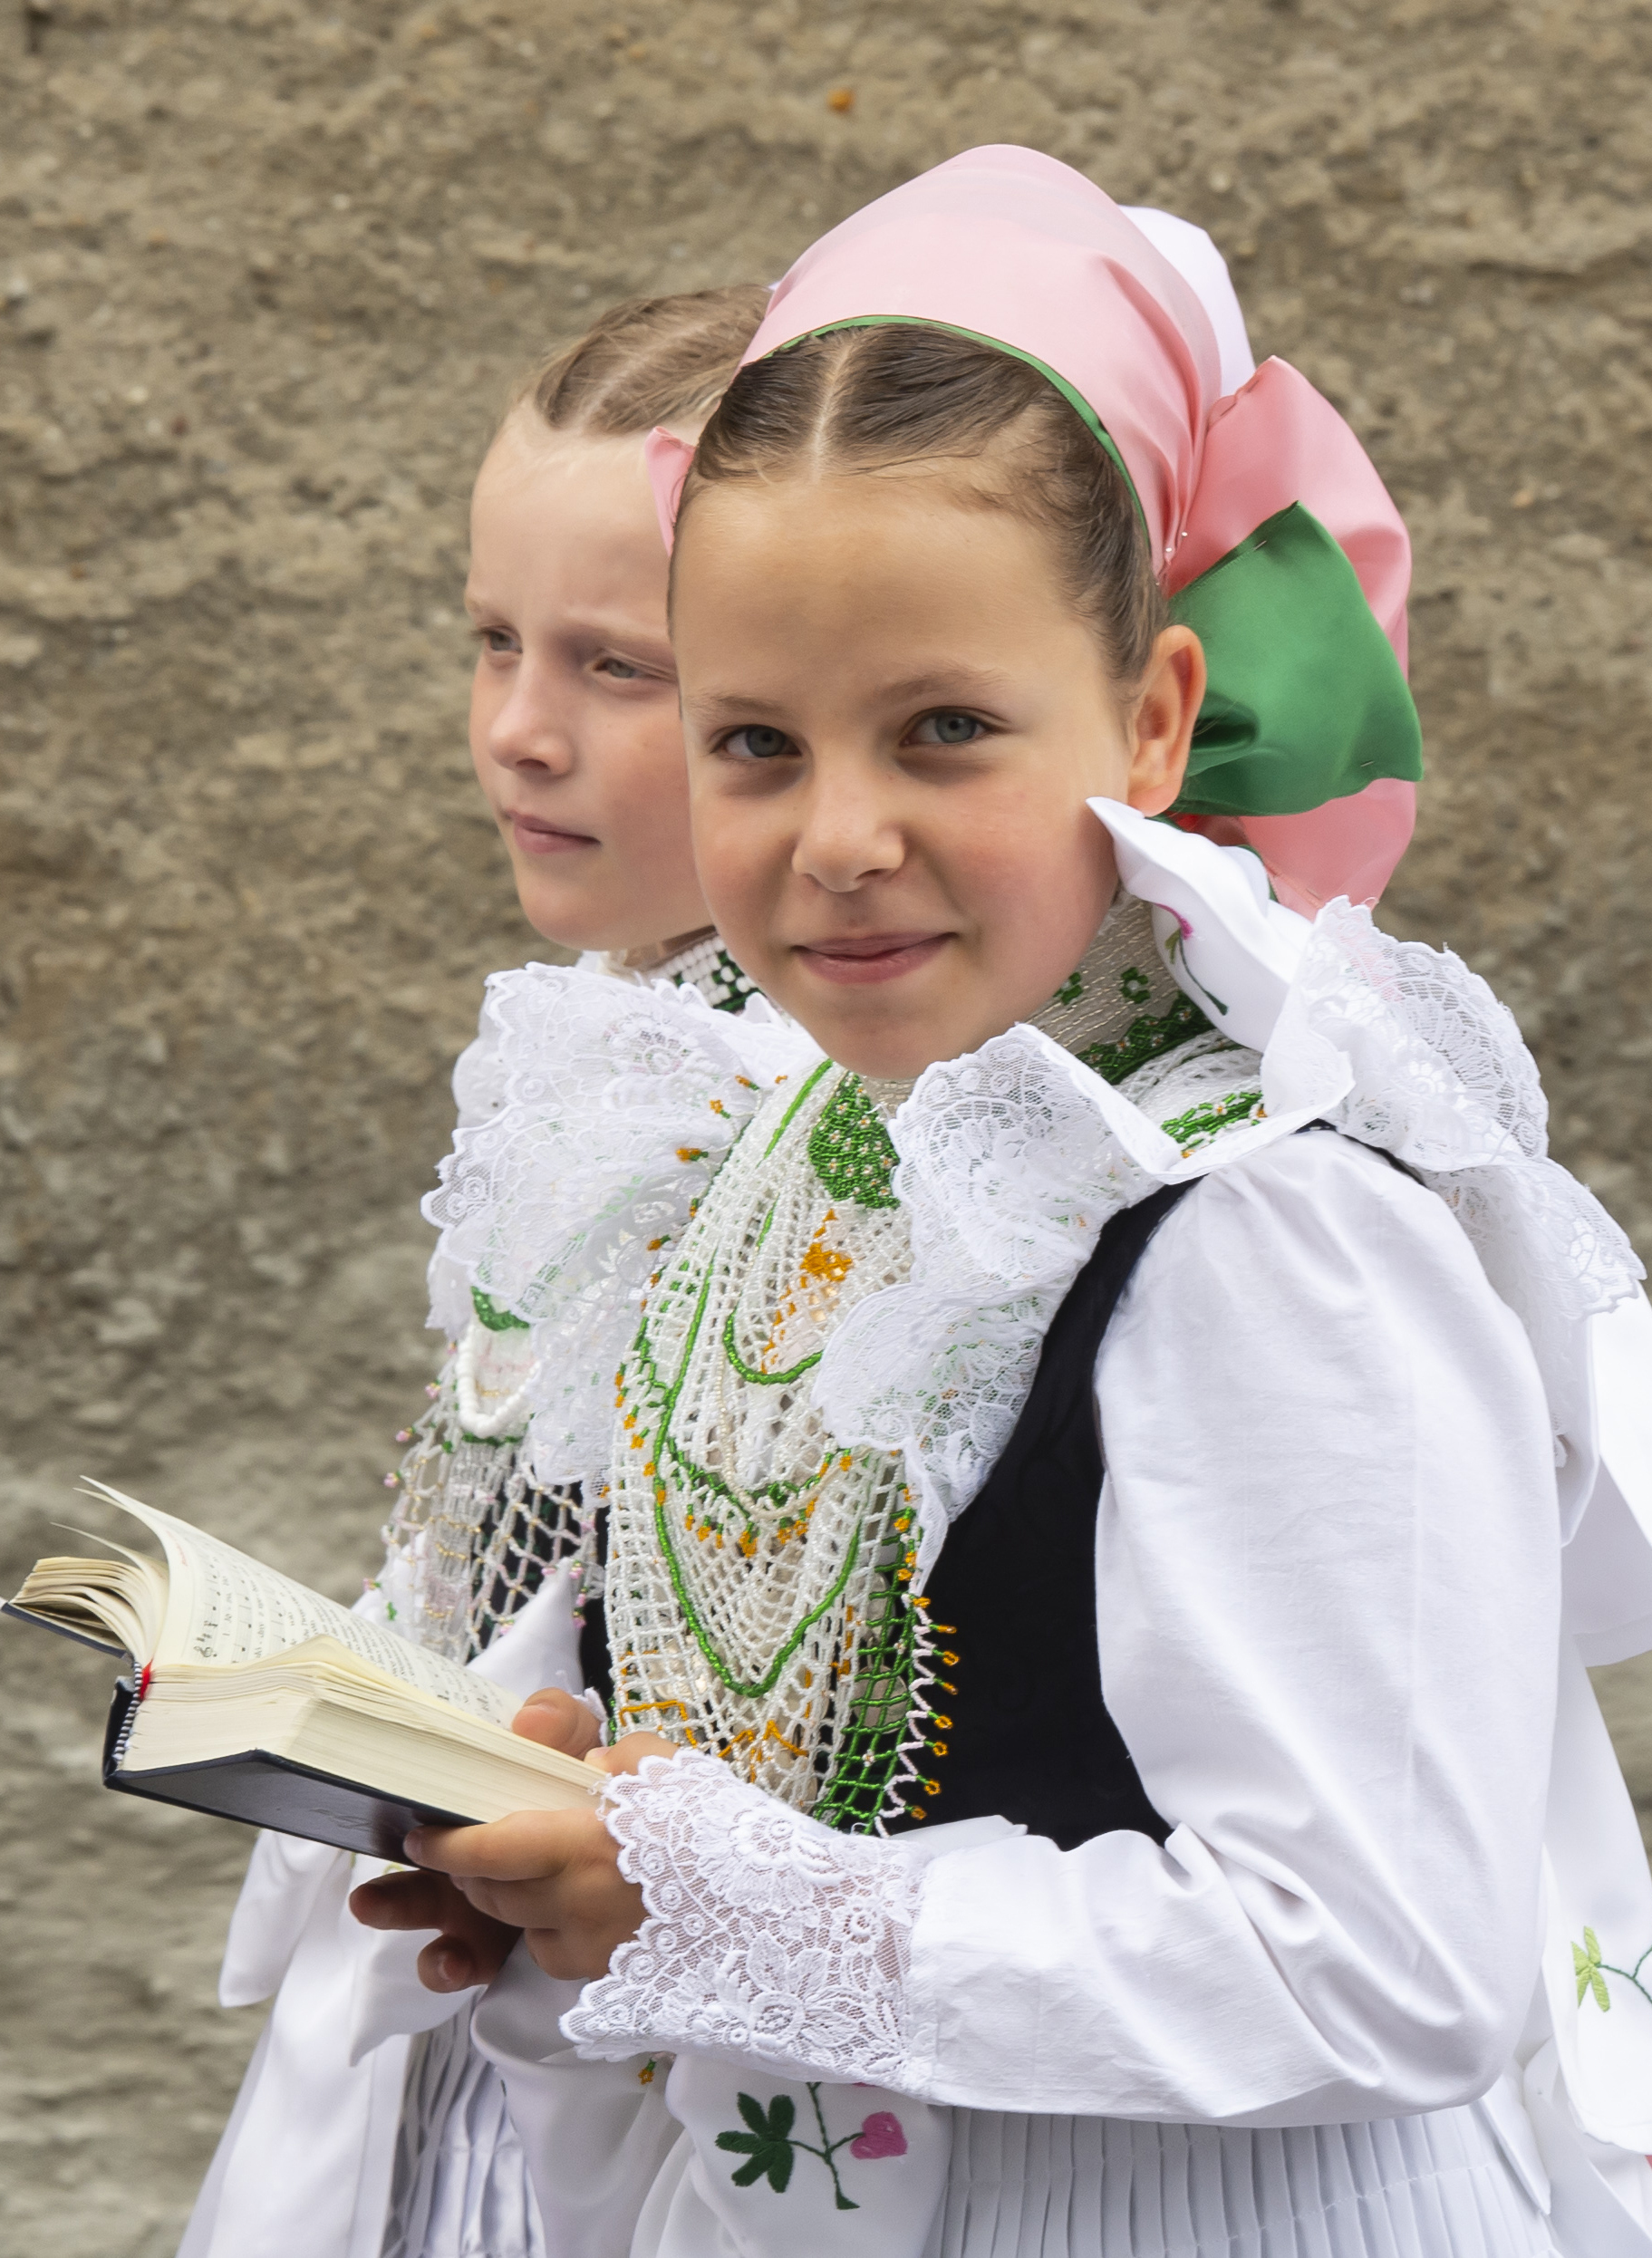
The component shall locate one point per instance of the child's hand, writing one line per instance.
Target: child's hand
(553, 1875)
(470, 1949)
(557, 1721)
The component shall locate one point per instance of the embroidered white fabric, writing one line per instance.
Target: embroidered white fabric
(609, 1107)
(769, 1936)
(736, 1529)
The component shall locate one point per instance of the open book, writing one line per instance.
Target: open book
(259, 1700)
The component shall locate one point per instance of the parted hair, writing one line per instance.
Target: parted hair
(646, 361)
(900, 395)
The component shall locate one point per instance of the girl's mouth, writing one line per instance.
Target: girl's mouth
(875, 957)
(533, 835)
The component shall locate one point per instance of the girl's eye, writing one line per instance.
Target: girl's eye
(500, 641)
(948, 729)
(619, 669)
(757, 742)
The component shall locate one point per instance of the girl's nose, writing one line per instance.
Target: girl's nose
(850, 833)
(530, 729)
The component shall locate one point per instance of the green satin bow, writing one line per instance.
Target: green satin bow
(1307, 701)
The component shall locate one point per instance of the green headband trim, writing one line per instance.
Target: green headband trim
(1305, 700)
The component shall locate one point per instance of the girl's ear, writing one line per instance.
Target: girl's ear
(1163, 719)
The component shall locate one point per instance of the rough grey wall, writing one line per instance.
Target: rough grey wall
(266, 273)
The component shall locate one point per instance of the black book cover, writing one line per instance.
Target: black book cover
(264, 1791)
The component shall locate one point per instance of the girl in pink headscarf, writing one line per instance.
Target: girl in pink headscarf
(1118, 1446)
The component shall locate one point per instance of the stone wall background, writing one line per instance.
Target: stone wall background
(266, 272)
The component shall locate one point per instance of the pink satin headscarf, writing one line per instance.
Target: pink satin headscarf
(1010, 244)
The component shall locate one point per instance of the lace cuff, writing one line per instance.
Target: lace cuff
(767, 1935)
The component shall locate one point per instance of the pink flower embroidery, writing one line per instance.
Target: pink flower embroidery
(880, 2135)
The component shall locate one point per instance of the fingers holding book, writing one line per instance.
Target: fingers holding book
(557, 1721)
(471, 1948)
(555, 1876)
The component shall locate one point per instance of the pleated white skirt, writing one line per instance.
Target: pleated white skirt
(460, 2187)
(1434, 2186)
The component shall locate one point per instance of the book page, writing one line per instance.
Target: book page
(223, 1607)
(118, 1605)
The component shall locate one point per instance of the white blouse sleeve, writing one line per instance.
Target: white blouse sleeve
(1327, 1601)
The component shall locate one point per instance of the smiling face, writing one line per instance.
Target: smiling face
(574, 724)
(895, 715)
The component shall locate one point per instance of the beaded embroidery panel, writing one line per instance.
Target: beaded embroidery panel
(756, 1582)
(705, 964)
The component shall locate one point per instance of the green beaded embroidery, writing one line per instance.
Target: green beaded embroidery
(663, 1393)
(1146, 1038)
(888, 1660)
(495, 1320)
(1070, 990)
(660, 1396)
(1201, 1122)
(849, 1148)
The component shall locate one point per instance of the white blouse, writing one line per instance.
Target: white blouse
(1327, 1601)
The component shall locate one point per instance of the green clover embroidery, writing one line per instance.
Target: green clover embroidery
(850, 1150)
(768, 2147)
(1586, 1966)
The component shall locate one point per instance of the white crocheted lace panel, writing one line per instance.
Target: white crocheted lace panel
(1437, 1072)
(757, 1579)
(769, 1936)
(470, 1537)
(471, 1534)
